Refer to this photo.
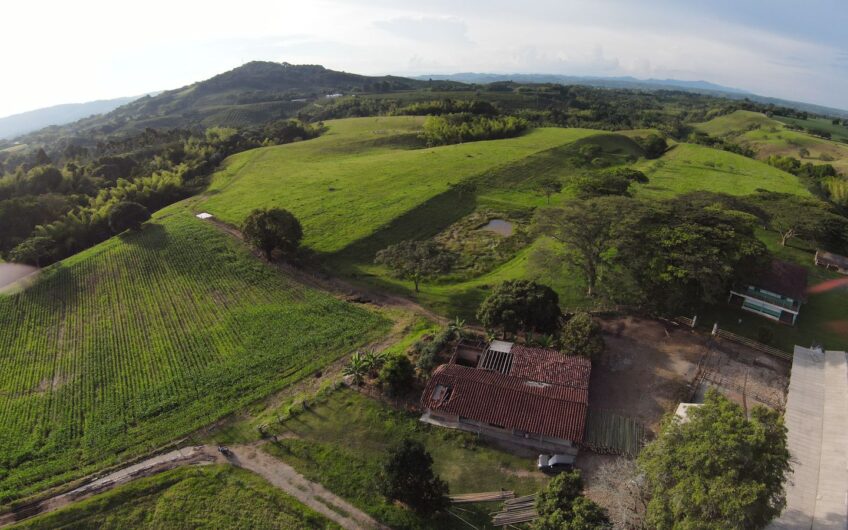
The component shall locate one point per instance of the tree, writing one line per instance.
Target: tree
(585, 229)
(561, 506)
(407, 476)
(717, 470)
(35, 250)
(549, 186)
(397, 375)
(609, 182)
(274, 231)
(794, 216)
(654, 146)
(44, 179)
(416, 260)
(622, 483)
(581, 335)
(127, 215)
(521, 305)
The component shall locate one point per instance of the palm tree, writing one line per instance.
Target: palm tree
(457, 328)
(357, 368)
(546, 341)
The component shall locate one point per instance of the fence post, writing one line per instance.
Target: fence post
(715, 329)
(694, 321)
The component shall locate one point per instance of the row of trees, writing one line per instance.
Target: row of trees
(466, 127)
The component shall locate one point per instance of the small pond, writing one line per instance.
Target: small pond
(12, 272)
(500, 227)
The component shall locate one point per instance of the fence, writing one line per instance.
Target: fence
(786, 356)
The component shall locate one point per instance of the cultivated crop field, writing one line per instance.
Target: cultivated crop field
(147, 337)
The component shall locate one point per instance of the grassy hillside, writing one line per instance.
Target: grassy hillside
(769, 136)
(838, 131)
(147, 337)
(354, 180)
(209, 497)
(688, 167)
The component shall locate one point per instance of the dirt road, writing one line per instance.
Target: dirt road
(249, 457)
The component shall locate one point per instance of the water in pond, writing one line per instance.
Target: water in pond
(500, 227)
(12, 272)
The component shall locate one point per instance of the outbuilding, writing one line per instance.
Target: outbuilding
(776, 294)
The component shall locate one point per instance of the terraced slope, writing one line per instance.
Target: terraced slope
(147, 337)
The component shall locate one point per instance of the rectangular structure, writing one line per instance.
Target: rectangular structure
(777, 294)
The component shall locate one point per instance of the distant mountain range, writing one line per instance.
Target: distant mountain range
(33, 120)
(700, 87)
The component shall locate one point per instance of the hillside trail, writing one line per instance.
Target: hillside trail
(342, 288)
(247, 456)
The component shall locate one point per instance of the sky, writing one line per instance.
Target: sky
(61, 52)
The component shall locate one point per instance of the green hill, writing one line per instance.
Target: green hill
(147, 337)
(769, 136)
(688, 167)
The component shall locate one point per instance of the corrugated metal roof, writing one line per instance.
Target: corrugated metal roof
(549, 398)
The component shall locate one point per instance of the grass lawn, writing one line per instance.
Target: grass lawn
(147, 337)
(838, 132)
(823, 318)
(187, 498)
(342, 441)
(688, 167)
(349, 183)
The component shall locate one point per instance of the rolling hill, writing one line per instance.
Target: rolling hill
(33, 120)
(147, 337)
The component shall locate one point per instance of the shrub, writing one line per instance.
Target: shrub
(582, 336)
(397, 375)
(127, 216)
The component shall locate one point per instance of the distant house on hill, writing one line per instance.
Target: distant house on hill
(776, 294)
(529, 396)
(832, 262)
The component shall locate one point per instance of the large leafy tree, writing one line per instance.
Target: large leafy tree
(561, 506)
(717, 470)
(521, 305)
(274, 231)
(416, 260)
(127, 215)
(407, 476)
(614, 181)
(806, 218)
(586, 231)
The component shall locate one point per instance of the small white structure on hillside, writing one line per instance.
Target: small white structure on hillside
(204, 215)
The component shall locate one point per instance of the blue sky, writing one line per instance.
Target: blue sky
(59, 52)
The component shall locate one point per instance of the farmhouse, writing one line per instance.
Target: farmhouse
(832, 262)
(529, 396)
(776, 294)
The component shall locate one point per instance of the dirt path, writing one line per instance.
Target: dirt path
(249, 457)
(312, 494)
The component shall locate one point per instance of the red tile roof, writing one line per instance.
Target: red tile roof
(549, 398)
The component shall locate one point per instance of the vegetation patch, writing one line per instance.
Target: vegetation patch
(210, 497)
(150, 336)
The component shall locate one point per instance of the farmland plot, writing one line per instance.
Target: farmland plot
(145, 338)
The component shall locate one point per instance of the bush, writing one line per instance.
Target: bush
(397, 375)
(562, 506)
(582, 336)
(127, 216)
(407, 476)
(274, 231)
(521, 305)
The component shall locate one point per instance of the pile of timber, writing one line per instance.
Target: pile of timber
(467, 498)
(515, 511)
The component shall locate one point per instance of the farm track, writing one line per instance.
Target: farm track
(249, 457)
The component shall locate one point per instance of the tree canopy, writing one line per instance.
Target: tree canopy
(127, 216)
(416, 260)
(717, 470)
(274, 231)
(614, 181)
(561, 506)
(407, 476)
(805, 218)
(581, 335)
(521, 305)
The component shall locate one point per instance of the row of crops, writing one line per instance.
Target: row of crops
(146, 338)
